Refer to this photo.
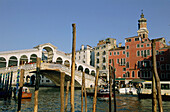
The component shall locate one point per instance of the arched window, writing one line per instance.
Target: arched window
(97, 54)
(138, 73)
(104, 52)
(133, 74)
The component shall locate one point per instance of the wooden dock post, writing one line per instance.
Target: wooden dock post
(73, 67)
(114, 77)
(158, 85)
(37, 84)
(67, 91)
(21, 82)
(82, 88)
(110, 89)
(95, 92)
(62, 80)
(85, 95)
(154, 105)
(10, 84)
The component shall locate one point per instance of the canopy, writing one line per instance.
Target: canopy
(137, 80)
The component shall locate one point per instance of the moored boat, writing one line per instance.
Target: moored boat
(102, 94)
(26, 94)
(145, 92)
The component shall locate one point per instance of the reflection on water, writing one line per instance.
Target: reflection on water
(49, 101)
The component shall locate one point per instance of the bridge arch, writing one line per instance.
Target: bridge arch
(13, 61)
(33, 58)
(86, 71)
(67, 63)
(2, 62)
(80, 68)
(93, 73)
(59, 60)
(23, 59)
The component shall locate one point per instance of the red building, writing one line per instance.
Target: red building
(134, 60)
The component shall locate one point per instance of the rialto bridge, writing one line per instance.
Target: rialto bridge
(53, 62)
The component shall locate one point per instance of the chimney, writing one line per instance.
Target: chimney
(82, 47)
(120, 45)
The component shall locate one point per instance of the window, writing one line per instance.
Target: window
(165, 86)
(133, 74)
(127, 65)
(127, 54)
(136, 39)
(98, 54)
(163, 76)
(128, 40)
(110, 53)
(161, 58)
(127, 47)
(110, 61)
(138, 73)
(117, 53)
(138, 45)
(123, 52)
(141, 45)
(147, 86)
(162, 67)
(138, 53)
(167, 66)
(147, 45)
(114, 53)
(141, 53)
(128, 74)
(117, 61)
(139, 65)
(124, 75)
(143, 35)
(47, 80)
(104, 52)
(157, 52)
(148, 52)
(145, 55)
(104, 67)
(97, 60)
(124, 69)
(162, 52)
(104, 59)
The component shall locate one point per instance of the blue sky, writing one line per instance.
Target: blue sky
(25, 24)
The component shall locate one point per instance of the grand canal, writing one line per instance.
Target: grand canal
(49, 101)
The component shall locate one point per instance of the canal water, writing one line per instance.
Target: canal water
(49, 101)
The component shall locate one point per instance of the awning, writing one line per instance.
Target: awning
(137, 80)
(120, 79)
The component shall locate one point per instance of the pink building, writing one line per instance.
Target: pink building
(134, 60)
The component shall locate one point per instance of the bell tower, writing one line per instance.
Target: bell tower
(142, 27)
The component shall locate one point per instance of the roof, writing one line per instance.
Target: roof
(131, 37)
(118, 48)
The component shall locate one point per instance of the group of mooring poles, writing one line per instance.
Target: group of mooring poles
(6, 84)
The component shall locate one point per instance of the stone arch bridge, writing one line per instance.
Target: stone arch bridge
(53, 62)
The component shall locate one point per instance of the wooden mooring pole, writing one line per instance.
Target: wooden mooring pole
(82, 88)
(62, 80)
(21, 82)
(153, 94)
(158, 85)
(37, 85)
(114, 77)
(73, 67)
(67, 91)
(110, 89)
(85, 95)
(95, 92)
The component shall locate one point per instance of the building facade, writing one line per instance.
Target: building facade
(101, 52)
(134, 60)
